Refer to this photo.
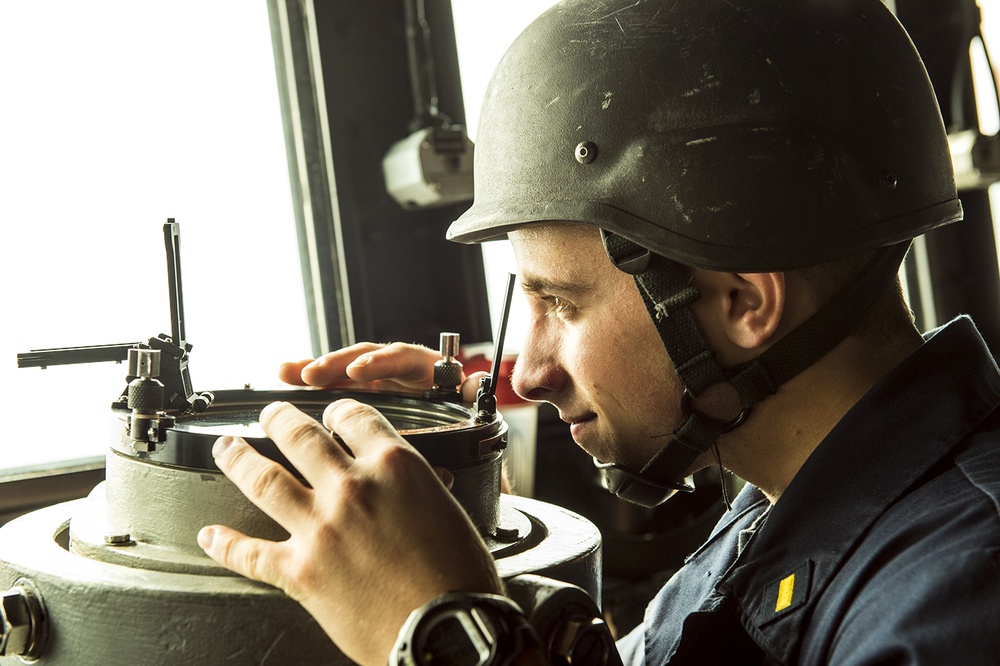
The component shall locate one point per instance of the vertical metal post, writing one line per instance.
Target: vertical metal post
(311, 172)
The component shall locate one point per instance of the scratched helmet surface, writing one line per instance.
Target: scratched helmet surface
(745, 135)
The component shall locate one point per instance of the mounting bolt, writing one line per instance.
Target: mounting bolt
(22, 621)
(119, 539)
(506, 534)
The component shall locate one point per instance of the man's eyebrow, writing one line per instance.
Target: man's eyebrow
(536, 285)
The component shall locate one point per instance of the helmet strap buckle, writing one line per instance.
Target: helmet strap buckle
(628, 257)
(687, 406)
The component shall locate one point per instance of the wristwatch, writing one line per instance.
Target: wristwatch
(464, 630)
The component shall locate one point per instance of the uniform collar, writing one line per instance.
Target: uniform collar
(911, 419)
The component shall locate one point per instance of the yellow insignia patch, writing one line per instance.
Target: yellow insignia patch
(783, 596)
(785, 590)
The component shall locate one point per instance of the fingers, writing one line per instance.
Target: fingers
(367, 365)
(470, 387)
(291, 372)
(266, 483)
(331, 368)
(408, 365)
(411, 364)
(362, 427)
(253, 558)
(303, 440)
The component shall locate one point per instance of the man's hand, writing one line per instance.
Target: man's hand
(367, 365)
(374, 537)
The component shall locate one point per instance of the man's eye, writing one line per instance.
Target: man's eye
(559, 305)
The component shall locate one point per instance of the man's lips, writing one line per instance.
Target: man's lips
(577, 424)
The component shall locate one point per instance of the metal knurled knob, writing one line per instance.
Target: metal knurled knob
(447, 375)
(145, 395)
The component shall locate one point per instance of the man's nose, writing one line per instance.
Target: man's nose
(538, 372)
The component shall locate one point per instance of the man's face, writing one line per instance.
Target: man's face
(591, 350)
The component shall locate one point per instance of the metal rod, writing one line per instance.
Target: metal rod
(420, 54)
(42, 358)
(172, 240)
(501, 333)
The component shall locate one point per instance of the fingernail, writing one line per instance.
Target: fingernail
(205, 537)
(221, 445)
(361, 361)
(447, 478)
(269, 409)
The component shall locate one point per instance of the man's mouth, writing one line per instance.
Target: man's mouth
(587, 416)
(579, 424)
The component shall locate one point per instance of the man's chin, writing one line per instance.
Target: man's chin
(609, 450)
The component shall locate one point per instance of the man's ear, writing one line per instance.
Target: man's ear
(738, 312)
(757, 304)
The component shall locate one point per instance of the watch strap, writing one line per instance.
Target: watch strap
(464, 629)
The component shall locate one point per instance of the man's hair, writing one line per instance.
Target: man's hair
(889, 316)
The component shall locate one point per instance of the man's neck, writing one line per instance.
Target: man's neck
(786, 428)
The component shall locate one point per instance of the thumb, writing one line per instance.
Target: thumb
(447, 478)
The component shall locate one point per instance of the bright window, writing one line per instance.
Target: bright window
(116, 116)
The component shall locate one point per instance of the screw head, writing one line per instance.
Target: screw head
(586, 152)
(887, 180)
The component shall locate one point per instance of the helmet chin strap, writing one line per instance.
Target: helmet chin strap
(667, 293)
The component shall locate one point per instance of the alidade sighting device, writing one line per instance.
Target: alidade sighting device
(118, 577)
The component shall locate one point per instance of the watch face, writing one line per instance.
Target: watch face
(454, 639)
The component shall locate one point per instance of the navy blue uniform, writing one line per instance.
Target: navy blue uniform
(884, 549)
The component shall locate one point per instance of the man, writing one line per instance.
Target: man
(708, 202)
